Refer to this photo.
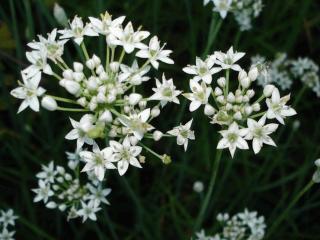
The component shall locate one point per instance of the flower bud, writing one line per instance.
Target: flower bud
(209, 110)
(217, 91)
(253, 73)
(155, 112)
(317, 163)
(111, 98)
(221, 99)
(133, 140)
(245, 99)
(92, 84)
(126, 109)
(72, 87)
(166, 159)
(221, 82)
(157, 135)
(99, 69)
(239, 99)
(229, 106)
(78, 67)
(134, 98)
(78, 76)
(60, 15)
(250, 93)
(198, 187)
(242, 74)
(231, 98)
(82, 101)
(114, 67)
(49, 103)
(296, 124)
(96, 60)
(90, 64)
(237, 116)
(142, 104)
(245, 82)
(256, 107)
(103, 76)
(268, 90)
(93, 104)
(248, 110)
(101, 97)
(67, 74)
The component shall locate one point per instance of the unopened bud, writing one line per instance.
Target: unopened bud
(221, 82)
(155, 112)
(253, 73)
(209, 110)
(49, 103)
(157, 135)
(134, 98)
(268, 90)
(78, 67)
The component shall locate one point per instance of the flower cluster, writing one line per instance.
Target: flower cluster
(7, 219)
(244, 11)
(236, 111)
(242, 226)
(62, 189)
(283, 71)
(108, 90)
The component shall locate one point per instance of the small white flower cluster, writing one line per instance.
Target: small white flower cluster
(283, 71)
(244, 11)
(58, 188)
(108, 93)
(7, 219)
(316, 175)
(236, 111)
(242, 226)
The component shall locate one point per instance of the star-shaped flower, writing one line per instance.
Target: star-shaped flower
(165, 92)
(259, 133)
(29, 91)
(277, 107)
(125, 154)
(228, 60)
(233, 138)
(200, 94)
(183, 134)
(97, 161)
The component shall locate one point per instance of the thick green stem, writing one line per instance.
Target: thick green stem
(284, 214)
(215, 26)
(72, 109)
(61, 99)
(207, 198)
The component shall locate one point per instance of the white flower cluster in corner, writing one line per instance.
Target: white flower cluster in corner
(7, 219)
(316, 175)
(283, 72)
(242, 226)
(106, 89)
(244, 11)
(62, 189)
(241, 115)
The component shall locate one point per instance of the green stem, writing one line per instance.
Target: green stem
(72, 109)
(215, 26)
(227, 83)
(257, 115)
(284, 214)
(57, 76)
(107, 58)
(207, 198)
(299, 96)
(151, 151)
(85, 52)
(121, 56)
(61, 99)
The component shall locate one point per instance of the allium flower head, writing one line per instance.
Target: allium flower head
(231, 103)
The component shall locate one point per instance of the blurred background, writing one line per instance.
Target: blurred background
(158, 202)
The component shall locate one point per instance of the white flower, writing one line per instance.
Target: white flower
(29, 91)
(205, 2)
(232, 138)
(38, 59)
(134, 75)
(106, 25)
(53, 49)
(7, 218)
(48, 173)
(80, 130)
(258, 132)
(130, 39)
(49, 103)
(97, 161)
(183, 134)
(155, 53)
(6, 235)
(99, 194)
(199, 95)
(222, 7)
(316, 175)
(88, 211)
(165, 92)
(77, 30)
(277, 107)
(228, 60)
(125, 155)
(43, 192)
(137, 123)
(198, 186)
(203, 69)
